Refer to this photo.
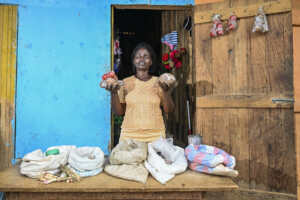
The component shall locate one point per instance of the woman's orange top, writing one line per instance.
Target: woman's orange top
(143, 118)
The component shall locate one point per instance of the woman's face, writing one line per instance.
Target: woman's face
(142, 59)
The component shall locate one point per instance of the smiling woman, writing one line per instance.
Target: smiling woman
(141, 98)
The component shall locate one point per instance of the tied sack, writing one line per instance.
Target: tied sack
(126, 161)
(165, 160)
(128, 152)
(86, 161)
(36, 162)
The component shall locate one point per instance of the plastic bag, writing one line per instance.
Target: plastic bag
(168, 151)
(128, 152)
(36, 162)
(209, 156)
(260, 23)
(232, 23)
(210, 160)
(86, 158)
(161, 170)
(217, 28)
(218, 170)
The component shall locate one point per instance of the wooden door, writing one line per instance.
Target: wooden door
(296, 46)
(8, 44)
(177, 122)
(244, 93)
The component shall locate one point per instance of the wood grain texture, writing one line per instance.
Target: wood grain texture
(246, 194)
(235, 75)
(296, 12)
(177, 122)
(8, 35)
(12, 181)
(272, 7)
(244, 101)
(105, 196)
(296, 45)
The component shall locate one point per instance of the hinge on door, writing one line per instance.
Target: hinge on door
(282, 100)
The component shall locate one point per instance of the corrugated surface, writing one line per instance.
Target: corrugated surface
(8, 34)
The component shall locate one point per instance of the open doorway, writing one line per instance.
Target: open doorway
(130, 28)
(132, 25)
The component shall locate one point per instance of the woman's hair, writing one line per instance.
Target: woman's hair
(144, 45)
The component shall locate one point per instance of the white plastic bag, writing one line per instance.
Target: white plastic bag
(160, 169)
(36, 162)
(86, 158)
(166, 148)
(260, 23)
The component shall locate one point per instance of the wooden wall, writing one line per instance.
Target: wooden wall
(238, 77)
(8, 43)
(296, 45)
(177, 122)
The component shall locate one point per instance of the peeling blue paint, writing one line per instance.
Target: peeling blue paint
(63, 50)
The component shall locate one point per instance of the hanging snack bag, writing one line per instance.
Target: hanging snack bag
(217, 28)
(260, 23)
(232, 22)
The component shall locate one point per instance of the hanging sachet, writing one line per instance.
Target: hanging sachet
(260, 23)
(232, 22)
(217, 28)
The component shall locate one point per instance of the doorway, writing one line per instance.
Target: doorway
(132, 25)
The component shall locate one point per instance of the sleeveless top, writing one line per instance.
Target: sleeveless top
(143, 118)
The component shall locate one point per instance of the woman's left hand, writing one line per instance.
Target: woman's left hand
(167, 82)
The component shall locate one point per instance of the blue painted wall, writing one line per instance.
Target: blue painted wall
(63, 49)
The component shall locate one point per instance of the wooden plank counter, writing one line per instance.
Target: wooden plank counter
(189, 185)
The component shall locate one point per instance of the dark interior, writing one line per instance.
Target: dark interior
(132, 27)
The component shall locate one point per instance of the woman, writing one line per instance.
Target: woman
(141, 98)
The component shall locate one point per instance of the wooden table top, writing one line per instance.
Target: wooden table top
(12, 181)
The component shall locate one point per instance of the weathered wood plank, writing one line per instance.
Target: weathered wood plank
(273, 7)
(244, 101)
(105, 196)
(244, 194)
(272, 153)
(297, 144)
(190, 181)
(8, 27)
(296, 45)
(296, 12)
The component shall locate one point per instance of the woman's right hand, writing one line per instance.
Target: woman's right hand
(110, 84)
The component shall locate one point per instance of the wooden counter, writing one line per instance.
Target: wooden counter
(189, 185)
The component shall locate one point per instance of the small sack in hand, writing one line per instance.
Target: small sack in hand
(110, 78)
(169, 79)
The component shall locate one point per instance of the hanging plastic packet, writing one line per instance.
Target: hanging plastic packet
(232, 23)
(217, 28)
(260, 23)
